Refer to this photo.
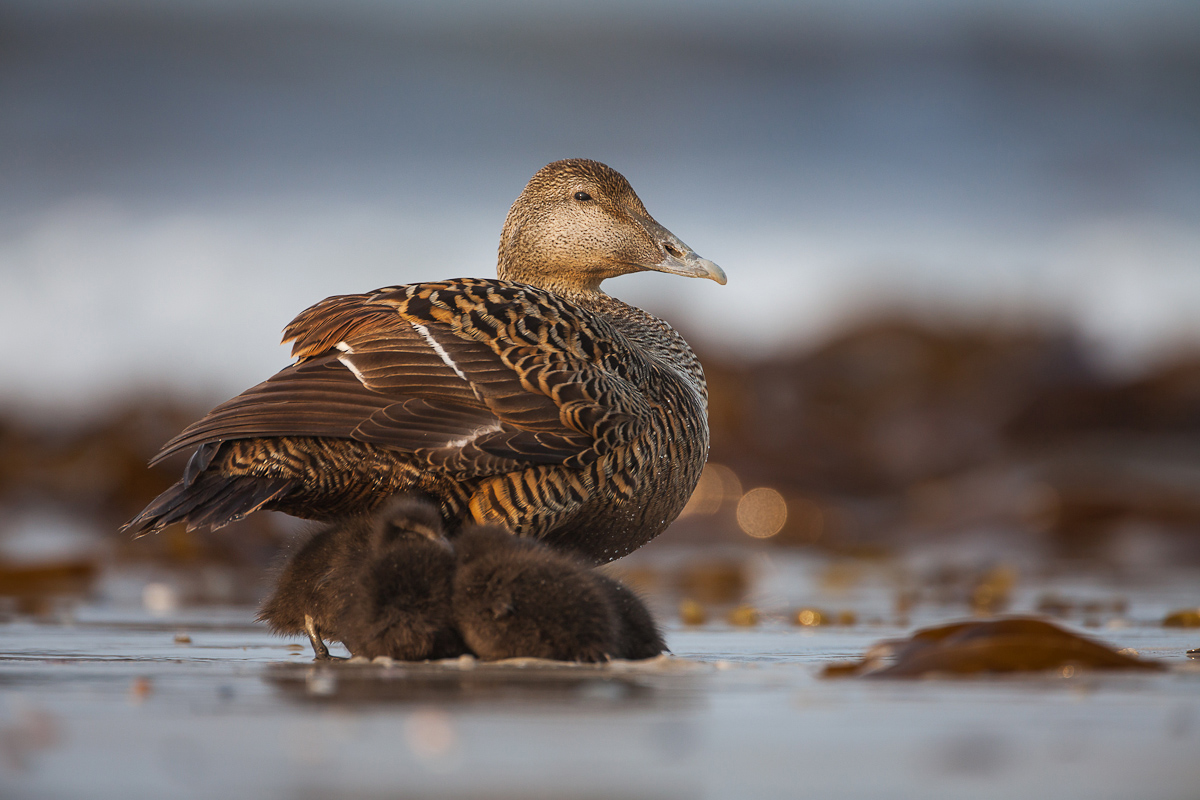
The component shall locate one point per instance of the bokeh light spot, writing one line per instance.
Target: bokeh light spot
(718, 484)
(808, 617)
(762, 512)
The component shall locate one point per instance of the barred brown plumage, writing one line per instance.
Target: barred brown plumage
(535, 401)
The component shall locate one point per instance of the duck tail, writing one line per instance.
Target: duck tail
(208, 501)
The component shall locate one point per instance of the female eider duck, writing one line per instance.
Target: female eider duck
(536, 401)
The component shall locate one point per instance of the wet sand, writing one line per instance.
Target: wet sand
(204, 702)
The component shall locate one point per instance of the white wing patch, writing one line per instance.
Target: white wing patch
(466, 440)
(345, 361)
(437, 348)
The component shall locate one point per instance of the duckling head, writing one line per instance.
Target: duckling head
(407, 518)
(579, 222)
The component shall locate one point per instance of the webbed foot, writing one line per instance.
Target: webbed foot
(320, 651)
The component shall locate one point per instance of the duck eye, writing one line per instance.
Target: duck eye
(582, 196)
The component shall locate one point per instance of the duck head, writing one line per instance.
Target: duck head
(579, 222)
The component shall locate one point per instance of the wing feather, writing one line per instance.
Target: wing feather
(472, 377)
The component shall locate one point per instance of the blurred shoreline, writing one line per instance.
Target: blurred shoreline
(895, 434)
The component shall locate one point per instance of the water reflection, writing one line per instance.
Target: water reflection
(575, 687)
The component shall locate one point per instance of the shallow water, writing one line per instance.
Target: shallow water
(110, 704)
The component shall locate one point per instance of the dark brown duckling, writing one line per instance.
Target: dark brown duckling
(638, 634)
(305, 597)
(380, 584)
(517, 598)
(535, 401)
(400, 604)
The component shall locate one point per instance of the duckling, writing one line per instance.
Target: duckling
(379, 584)
(535, 401)
(305, 597)
(638, 634)
(400, 602)
(515, 598)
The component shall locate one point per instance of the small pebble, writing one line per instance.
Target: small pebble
(141, 689)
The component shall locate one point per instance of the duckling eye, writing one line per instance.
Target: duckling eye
(582, 196)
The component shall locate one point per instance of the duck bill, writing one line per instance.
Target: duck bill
(678, 258)
(690, 265)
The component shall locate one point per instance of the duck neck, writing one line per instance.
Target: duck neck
(569, 286)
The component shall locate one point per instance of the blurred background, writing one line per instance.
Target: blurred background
(963, 243)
